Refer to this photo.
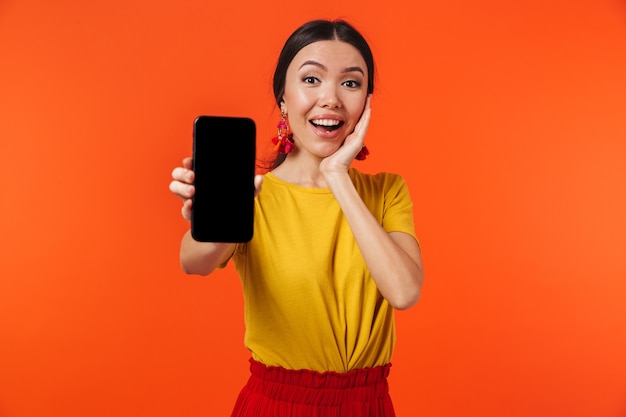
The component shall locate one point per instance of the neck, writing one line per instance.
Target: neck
(300, 171)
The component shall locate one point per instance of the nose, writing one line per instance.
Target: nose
(329, 97)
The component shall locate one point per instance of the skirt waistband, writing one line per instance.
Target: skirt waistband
(321, 388)
(314, 379)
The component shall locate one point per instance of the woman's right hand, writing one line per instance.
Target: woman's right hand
(182, 186)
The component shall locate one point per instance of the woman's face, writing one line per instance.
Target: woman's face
(325, 92)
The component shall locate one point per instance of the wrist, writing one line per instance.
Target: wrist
(336, 178)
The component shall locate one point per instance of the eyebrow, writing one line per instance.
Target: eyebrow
(345, 70)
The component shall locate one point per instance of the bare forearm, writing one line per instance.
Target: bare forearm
(202, 258)
(395, 264)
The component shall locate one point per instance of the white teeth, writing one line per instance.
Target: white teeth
(325, 122)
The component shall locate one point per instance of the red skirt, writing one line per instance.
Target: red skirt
(278, 392)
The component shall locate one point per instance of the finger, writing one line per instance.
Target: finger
(354, 142)
(183, 175)
(357, 137)
(364, 121)
(182, 190)
(258, 184)
(187, 162)
(186, 210)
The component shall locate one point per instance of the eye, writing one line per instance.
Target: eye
(310, 80)
(351, 84)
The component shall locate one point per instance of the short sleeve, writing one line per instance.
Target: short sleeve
(398, 206)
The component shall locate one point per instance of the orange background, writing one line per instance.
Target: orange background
(507, 119)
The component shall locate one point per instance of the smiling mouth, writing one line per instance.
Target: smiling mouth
(327, 124)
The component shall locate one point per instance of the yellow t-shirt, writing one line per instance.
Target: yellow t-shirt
(309, 299)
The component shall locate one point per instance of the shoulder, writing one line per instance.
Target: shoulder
(379, 182)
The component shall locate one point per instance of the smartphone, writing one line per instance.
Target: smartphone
(224, 157)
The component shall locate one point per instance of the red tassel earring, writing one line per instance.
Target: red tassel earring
(284, 139)
(362, 153)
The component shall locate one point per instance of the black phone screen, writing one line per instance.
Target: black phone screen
(224, 152)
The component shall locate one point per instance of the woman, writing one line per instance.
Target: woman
(334, 251)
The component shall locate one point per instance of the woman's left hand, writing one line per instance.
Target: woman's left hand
(340, 160)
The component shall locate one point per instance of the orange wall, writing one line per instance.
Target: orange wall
(507, 120)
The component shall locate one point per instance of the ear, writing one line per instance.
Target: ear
(283, 107)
